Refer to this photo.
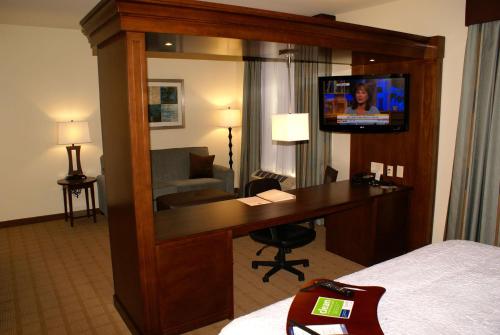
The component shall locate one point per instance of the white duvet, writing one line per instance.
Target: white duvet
(445, 288)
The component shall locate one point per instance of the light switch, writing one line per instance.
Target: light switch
(400, 171)
(390, 170)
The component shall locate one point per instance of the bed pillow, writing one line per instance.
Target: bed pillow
(201, 166)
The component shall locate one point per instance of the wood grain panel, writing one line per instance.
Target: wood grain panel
(481, 11)
(113, 90)
(351, 234)
(122, 84)
(141, 174)
(392, 225)
(371, 232)
(209, 19)
(197, 282)
(415, 149)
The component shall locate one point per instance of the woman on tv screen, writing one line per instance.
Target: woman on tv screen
(361, 104)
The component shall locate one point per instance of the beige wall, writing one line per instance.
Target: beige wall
(209, 87)
(50, 75)
(46, 75)
(429, 18)
(341, 143)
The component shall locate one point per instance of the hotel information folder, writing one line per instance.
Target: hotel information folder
(356, 314)
(333, 308)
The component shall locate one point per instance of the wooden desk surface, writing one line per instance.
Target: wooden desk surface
(311, 202)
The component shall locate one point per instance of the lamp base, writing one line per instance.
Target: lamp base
(74, 174)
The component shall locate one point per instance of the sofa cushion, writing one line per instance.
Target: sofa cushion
(173, 164)
(201, 166)
(162, 188)
(184, 185)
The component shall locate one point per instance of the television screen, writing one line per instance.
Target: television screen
(364, 103)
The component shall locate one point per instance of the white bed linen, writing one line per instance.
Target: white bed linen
(445, 288)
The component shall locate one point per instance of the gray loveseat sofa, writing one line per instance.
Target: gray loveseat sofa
(170, 174)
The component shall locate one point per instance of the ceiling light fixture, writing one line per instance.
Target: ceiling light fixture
(290, 127)
(169, 44)
(372, 59)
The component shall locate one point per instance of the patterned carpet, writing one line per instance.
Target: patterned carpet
(57, 280)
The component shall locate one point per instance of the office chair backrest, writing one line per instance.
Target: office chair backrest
(330, 175)
(261, 185)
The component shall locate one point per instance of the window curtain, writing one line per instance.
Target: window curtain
(312, 156)
(251, 122)
(474, 199)
(277, 157)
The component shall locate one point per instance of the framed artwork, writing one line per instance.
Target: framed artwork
(166, 103)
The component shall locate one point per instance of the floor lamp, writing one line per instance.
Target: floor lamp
(230, 118)
(73, 132)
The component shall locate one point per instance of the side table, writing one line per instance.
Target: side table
(75, 187)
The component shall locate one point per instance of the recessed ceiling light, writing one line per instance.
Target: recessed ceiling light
(372, 59)
(169, 44)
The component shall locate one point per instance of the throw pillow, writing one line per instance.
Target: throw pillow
(201, 166)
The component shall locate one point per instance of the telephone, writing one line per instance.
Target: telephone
(364, 178)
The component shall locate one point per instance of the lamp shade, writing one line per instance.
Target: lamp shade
(290, 127)
(229, 118)
(73, 132)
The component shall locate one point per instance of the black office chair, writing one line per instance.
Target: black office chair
(330, 175)
(284, 237)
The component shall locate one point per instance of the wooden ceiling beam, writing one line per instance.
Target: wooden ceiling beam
(110, 17)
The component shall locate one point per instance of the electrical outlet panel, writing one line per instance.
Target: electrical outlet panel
(390, 171)
(377, 168)
(400, 171)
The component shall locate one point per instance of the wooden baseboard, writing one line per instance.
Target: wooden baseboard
(39, 219)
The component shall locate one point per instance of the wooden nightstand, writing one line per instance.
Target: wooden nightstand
(75, 187)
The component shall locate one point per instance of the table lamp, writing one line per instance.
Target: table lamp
(73, 132)
(230, 118)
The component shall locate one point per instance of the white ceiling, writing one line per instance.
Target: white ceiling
(68, 13)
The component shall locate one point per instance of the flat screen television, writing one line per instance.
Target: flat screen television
(377, 103)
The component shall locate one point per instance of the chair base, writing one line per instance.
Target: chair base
(281, 263)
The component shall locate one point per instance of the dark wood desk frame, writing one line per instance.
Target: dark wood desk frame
(363, 223)
(116, 31)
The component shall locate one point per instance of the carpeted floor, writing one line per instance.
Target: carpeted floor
(57, 280)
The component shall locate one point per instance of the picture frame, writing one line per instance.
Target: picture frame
(166, 103)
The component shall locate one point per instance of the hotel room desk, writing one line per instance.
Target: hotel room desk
(194, 244)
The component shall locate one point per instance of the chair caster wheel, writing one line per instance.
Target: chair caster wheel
(306, 264)
(301, 278)
(254, 266)
(265, 280)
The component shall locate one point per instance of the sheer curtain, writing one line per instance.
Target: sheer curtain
(276, 157)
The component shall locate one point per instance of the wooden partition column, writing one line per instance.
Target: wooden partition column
(125, 131)
(416, 149)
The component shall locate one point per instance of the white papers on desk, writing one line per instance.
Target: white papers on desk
(254, 201)
(276, 195)
(322, 330)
